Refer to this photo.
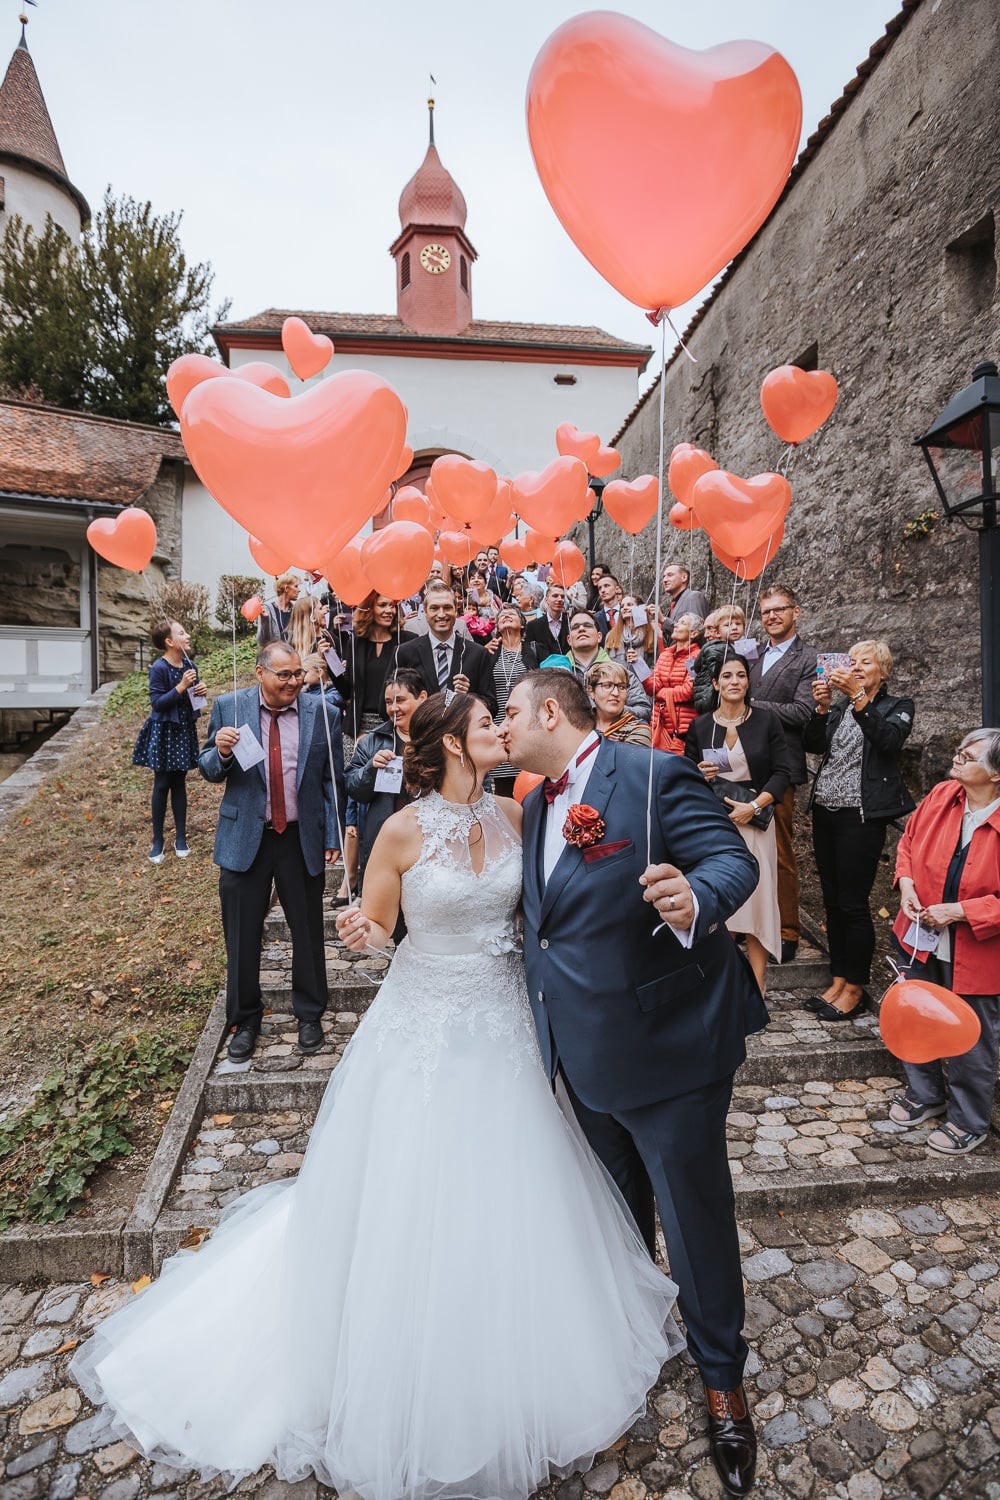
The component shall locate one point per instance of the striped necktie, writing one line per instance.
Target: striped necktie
(442, 665)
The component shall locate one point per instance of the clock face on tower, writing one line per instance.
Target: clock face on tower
(435, 259)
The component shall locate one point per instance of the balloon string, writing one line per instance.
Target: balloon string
(631, 563)
(333, 778)
(232, 564)
(760, 581)
(656, 581)
(677, 335)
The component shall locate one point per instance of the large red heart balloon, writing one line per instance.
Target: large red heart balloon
(660, 162)
(755, 562)
(398, 558)
(259, 372)
(552, 500)
(572, 443)
(497, 521)
(347, 577)
(922, 1022)
(127, 540)
(458, 547)
(464, 487)
(190, 370)
(796, 402)
(540, 548)
(740, 514)
(272, 562)
(306, 352)
(514, 553)
(568, 564)
(687, 465)
(302, 475)
(604, 462)
(632, 503)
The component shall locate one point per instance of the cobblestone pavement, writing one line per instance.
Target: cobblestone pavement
(875, 1373)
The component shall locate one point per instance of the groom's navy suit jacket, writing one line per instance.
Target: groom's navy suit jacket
(633, 1018)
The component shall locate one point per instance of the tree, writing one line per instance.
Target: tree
(97, 326)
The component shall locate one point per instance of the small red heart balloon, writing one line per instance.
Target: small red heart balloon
(191, 369)
(514, 553)
(604, 462)
(347, 577)
(540, 548)
(632, 503)
(660, 162)
(568, 564)
(409, 505)
(464, 487)
(271, 562)
(127, 540)
(260, 373)
(404, 461)
(740, 514)
(572, 443)
(252, 609)
(458, 547)
(552, 500)
(922, 1022)
(525, 782)
(398, 558)
(683, 518)
(687, 465)
(755, 562)
(306, 352)
(797, 402)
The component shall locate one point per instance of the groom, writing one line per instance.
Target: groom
(646, 1027)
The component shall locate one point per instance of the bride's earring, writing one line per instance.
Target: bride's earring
(461, 760)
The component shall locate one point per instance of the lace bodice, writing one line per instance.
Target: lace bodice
(460, 963)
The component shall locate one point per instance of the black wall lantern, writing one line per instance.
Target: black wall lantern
(962, 449)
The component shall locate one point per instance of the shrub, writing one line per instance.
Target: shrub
(234, 589)
(187, 602)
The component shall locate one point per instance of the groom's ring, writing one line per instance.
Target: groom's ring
(671, 902)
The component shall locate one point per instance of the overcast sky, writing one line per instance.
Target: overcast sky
(285, 132)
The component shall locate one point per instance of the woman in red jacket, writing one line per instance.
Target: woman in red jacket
(672, 686)
(948, 872)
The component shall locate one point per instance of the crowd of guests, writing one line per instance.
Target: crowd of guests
(760, 715)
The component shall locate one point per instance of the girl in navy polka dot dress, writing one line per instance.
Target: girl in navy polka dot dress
(168, 741)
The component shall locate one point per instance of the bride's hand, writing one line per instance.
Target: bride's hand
(353, 929)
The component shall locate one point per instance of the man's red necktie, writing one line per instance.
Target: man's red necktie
(277, 779)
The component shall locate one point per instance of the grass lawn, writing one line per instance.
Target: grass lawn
(108, 967)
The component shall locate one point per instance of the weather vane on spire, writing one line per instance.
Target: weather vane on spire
(430, 104)
(23, 18)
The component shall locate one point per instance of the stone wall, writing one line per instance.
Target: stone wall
(124, 597)
(881, 258)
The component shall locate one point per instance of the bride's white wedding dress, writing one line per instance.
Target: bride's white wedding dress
(450, 1300)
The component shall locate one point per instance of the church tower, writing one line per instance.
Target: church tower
(33, 180)
(433, 255)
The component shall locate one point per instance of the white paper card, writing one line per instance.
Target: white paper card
(925, 940)
(199, 699)
(333, 661)
(248, 750)
(641, 670)
(718, 756)
(747, 646)
(390, 778)
(640, 614)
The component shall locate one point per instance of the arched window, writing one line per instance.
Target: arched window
(463, 272)
(404, 271)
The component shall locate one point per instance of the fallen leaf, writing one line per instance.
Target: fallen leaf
(193, 1238)
(194, 963)
(222, 1119)
(167, 1104)
(142, 1283)
(882, 912)
(65, 1348)
(99, 1278)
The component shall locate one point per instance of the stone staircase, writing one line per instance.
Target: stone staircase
(808, 1128)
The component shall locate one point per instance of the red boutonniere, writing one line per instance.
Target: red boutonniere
(583, 826)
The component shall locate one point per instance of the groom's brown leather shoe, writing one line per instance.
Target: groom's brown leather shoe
(732, 1439)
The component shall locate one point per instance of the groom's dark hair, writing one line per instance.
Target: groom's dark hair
(567, 690)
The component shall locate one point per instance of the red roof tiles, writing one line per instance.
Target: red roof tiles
(383, 326)
(70, 455)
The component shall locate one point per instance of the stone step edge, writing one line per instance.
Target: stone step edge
(861, 1187)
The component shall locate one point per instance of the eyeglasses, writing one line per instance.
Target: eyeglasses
(777, 609)
(285, 677)
(612, 687)
(963, 758)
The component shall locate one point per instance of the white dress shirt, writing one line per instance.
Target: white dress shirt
(555, 817)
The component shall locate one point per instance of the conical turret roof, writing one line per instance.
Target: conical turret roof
(432, 196)
(26, 133)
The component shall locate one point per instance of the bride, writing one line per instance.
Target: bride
(450, 1300)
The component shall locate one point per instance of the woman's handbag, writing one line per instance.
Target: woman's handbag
(737, 791)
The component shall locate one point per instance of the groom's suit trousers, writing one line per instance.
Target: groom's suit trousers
(674, 1151)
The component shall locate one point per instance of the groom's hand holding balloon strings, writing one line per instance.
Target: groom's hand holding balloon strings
(669, 892)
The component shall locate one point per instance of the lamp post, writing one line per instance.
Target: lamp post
(962, 449)
(597, 485)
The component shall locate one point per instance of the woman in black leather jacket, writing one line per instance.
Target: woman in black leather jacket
(858, 790)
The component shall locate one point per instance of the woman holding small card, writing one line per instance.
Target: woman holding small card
(375, 774)
(168, 741)
(633, 642)
(744, 747)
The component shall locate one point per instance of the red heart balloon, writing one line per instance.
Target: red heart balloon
(632, 503)
(687, 465)
(303, 475)
(551, 501)
(797, 402)
(755, 562)
(740, 514)
(464, 487)
(404, 462)
(347, 577)
(191, 369)
(660, 162)
(604, 462)
(525, 782)
(568, 564)
(127, 540)
(514, 553)
(409, 505)
(497, 521)
(398, 558)
(458, 547)
(922, 1022)
(572, 443)
(259, 372)
(271, 562)
(540, 548)
(306, 352)
(683, 518)
(252, 609)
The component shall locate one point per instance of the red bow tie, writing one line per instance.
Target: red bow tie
(553, 789)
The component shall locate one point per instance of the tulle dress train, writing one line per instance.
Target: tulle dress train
(450, 1300)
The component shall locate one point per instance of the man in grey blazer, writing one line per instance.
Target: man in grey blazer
(781, 679)
(279, 825)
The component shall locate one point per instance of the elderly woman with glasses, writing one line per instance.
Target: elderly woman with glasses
(607, 684)
(948, 873)
(858, 791)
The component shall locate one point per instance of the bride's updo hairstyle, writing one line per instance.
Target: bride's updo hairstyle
(424, 757)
